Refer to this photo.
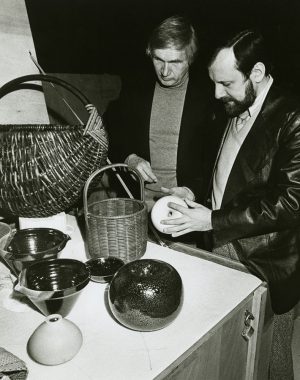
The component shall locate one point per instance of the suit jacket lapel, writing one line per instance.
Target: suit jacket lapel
(247, 160)
(254, 152)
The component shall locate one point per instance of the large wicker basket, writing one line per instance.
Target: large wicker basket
(43, 168)
(116, 226)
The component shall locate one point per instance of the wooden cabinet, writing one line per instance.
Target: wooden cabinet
(239, 347)
(224, 354)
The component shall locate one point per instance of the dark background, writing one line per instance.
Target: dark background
(109, 36)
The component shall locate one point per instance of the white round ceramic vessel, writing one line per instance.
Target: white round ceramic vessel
(161, 211)
(55, 341)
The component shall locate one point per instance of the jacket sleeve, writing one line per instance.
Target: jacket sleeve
(269, 205)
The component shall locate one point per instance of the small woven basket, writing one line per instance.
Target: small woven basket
(116, 226)
(43, 168)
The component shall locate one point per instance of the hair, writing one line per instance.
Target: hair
(249, 47)
(174, 32)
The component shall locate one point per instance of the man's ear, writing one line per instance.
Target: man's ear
(258, 72)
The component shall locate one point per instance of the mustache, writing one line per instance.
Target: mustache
(226, 99)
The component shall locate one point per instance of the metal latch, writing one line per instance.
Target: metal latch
(248, 330)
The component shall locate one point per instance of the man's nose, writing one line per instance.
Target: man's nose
(219, 91)
(165, 70)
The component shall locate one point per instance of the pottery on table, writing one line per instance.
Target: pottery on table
(102, 269)
(54, 286)
(33, 244)
(161, 211)
(146, 294)
(55, 341)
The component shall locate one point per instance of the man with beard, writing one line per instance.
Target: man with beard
(254, 211)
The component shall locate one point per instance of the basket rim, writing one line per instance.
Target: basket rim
(143, 203)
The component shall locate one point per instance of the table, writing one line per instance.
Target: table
(204, 339)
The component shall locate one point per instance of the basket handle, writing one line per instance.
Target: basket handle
(12, 85)
(112, 166)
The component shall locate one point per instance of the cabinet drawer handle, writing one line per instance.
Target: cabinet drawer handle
(248, 330)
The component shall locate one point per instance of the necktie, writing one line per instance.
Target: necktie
(241, 121)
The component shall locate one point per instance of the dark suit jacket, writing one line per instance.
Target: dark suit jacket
(128, 119)
(260, 211)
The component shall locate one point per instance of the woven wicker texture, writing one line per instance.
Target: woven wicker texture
(43, 168)
(116, 226)
(5, 231)
(12, 366)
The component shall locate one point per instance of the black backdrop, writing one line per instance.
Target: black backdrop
(97, 36)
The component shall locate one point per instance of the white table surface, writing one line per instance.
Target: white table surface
(111, 351)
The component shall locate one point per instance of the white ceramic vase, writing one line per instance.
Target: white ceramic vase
(55, 341)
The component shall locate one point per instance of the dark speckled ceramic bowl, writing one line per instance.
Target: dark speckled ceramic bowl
(146, 294)
(102, 269)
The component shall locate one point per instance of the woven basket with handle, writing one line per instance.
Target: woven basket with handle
(116, 226)
(43, 168)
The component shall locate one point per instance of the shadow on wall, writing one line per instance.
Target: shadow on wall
(100, 89)
(109, 36)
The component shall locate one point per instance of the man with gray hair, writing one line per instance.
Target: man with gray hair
(160, 125)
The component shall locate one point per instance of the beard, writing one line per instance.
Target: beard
(235, 107)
